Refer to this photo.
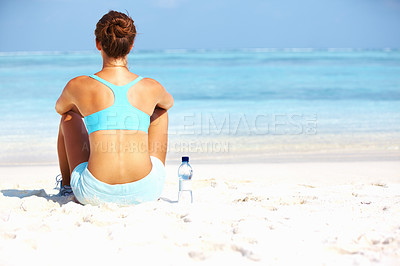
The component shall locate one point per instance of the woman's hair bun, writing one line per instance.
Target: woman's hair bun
(116, 32)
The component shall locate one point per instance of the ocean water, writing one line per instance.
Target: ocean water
(227, 103)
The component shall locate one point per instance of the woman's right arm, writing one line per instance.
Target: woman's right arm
(164, 100)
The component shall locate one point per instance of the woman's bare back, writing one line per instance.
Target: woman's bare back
(116, 156)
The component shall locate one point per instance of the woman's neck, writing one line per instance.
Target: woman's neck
(115, 63)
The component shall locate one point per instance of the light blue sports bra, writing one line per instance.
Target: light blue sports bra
(120, 115)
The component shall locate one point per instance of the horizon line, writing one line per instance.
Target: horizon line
(189, 50)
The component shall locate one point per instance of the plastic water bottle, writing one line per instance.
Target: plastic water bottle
(185, 173)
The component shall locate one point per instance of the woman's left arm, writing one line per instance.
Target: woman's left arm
(65, 102)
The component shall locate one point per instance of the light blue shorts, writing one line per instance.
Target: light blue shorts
(89, 190)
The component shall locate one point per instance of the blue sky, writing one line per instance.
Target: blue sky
(68, 25)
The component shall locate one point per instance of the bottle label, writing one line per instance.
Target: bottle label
(185, 185)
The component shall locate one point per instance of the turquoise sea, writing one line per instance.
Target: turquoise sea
(227, 102)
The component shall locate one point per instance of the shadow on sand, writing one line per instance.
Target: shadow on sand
(168, 200)
(17, 193)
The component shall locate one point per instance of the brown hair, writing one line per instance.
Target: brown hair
(116, 32)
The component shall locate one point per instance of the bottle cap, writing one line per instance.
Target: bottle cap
(185, 158)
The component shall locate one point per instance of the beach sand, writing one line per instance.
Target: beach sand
(296, 213)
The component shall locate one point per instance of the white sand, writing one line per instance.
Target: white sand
(341, 213)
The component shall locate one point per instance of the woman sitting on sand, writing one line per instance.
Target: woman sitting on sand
(119, 156)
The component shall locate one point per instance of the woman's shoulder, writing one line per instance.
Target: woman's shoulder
(152, 84)
(79, 79)
(78, 82)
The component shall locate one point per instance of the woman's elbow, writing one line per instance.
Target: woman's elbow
(167, 104)
(171, 103)
(57, 108)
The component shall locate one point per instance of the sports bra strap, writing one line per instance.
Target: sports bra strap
(133, 82)
(112, 86)
(105, 82)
